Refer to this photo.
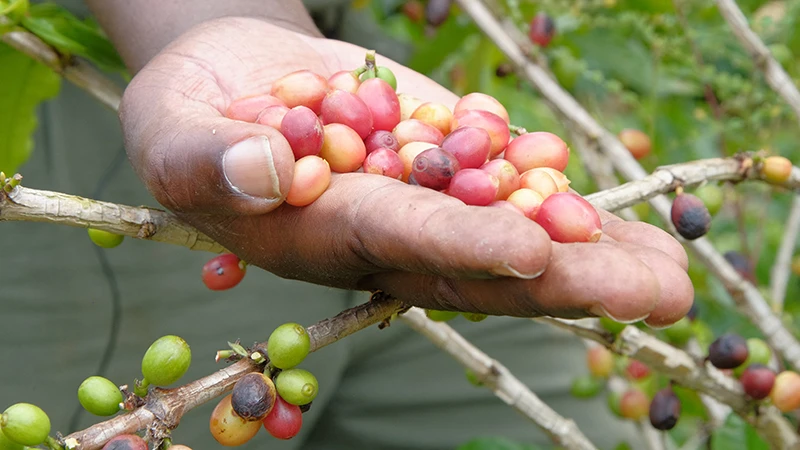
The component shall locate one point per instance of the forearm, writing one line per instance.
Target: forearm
(140, 29)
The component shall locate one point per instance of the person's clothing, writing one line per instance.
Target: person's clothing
(379, 389)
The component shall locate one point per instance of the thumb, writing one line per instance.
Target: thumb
(194, 160)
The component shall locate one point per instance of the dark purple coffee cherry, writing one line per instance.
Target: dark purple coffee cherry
(690, 216)
(665, 409)
(728, 351)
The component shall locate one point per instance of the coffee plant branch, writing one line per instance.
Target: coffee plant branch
(496, 377)
(749, 301)
(687, 372)
(781, 83)
(77, 71)
(33, 205)
(164, 408)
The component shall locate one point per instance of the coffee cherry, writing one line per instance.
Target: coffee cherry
(437, 12)
(634, 404)
(526, 200)
(301, 88)
(345, 80)
(665, 409)
(288, 345)
(413, 130)
(384, 73)
(482, 102)
(25, 424)
(284, 421)
(785, 394)
(384, 161)
(381, 139)
(542, 29)
(348, 109)
(105, 239)
(561, 179)
(223, 272)
(475, 317)
(600, 361)
(434, 168)
(437, 115)
(637, 370)
(166, 360)
(537, 149)
(586, 386)
(303, 130)
(474, 187)
(179, 447)
(297, 386)
(8, 444)
(253, 396)
(612, 325)
(506, 174)
(741, 264)
(776, 169)
(126, 442)
(228, 428)
(637, 142)
(712, 196)
(680, 332)
(414, 10)
(441, 316)
(409, 104)
(690, 216)
(728, 351)
(470, 146)
(757, 381)
(382, 101)
(312, 177)
(408, 153)
(568, 217)
(343, 148)
(99, 396)
(272, 116)
(492, 123)
(540, 181)
(247, 109)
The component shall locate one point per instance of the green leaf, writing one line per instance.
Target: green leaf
(495, 443)
(68, 34)
(448, 39)
(737, 434)
(14, 9)
(24, 83)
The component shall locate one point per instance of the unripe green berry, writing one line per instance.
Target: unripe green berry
(586, 386)
(473, 379)
(475, 317)
(99, 396)
(25, 424)
(680, 332)
(104, 238)
(758, 352)
(288, 345)
(712, 196)
(8, 444)
(612, 325)
(297, 386)
(166, 361)
(440, 316)
(384, 73)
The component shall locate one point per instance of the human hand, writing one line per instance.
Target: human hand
(229, 178)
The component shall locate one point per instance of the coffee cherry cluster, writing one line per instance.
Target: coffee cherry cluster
(355, 121)
(275, 399)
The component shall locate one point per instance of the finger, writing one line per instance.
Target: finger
(677, 291)
(643, 233)
(363, 224)
(192, 158)
(582, 280)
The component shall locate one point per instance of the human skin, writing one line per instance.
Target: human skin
(365, 232)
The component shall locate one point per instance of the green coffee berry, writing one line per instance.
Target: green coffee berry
(25, 424)
(288, 345)
(440, 316)
(99, 396)
(297, 386)
(166, 361)
(104, 238)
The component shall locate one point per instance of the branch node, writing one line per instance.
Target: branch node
(147, 230)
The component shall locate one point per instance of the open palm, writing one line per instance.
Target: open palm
(366, 232)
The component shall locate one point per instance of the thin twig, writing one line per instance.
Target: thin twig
(500, 380)
(165, 407)
(688, 372)
(782, 267)
(77, 71)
